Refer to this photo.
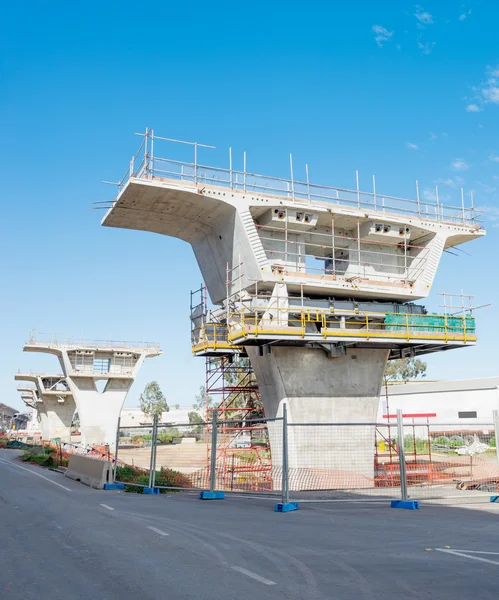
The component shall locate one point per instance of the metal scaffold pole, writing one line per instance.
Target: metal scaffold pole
(213, 461)
(403, 470)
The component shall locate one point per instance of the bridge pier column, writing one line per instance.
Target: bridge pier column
(56, 417)
(322, 390)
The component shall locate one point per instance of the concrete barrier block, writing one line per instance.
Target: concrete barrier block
(148, 490)
(94, 472)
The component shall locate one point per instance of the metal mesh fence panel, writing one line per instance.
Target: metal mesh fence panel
(249, 456)
(333, 461)
(183, 456)
(451, 461)
(133, 455)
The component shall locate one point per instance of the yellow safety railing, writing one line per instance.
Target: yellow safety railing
(287, 322)
(211, 337)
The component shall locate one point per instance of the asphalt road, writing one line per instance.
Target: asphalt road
(62, 540)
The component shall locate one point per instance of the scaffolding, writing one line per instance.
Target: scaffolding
(243, 450)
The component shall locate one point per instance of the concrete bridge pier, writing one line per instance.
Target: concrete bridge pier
(97, 376)
(99, 412)
(320, 390)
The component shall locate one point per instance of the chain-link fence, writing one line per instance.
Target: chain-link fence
(314, 462)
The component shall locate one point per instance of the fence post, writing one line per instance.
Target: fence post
(152, 464)
(403, 470)
(116, 450)
(285, 474)
(495, 414)
(285, 505)
(213, 461)
(212, 494)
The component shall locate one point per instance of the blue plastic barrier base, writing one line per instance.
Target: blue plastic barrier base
(212, 495)
(150, 490)
(408, 504)
(287, 507)
(494, 498)
(114, 486)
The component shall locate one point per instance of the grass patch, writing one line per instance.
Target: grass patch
(164, 477)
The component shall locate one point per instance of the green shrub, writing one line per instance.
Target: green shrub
(43, 459)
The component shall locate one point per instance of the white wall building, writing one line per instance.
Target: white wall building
(464, 401)
(134, 417)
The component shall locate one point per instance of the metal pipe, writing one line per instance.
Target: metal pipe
(417, 198)
(374, 191)
(230, 168)
(213, 458)
(151, 169)
(285, 463)
(244, 171)
(154, 448)
(358, 189)
(292, 176)
(195, 161)
(402, 465)
(308, 183)
(116, 450)
(495, 415)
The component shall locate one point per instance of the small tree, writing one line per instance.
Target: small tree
(195, 419)
(152, 401)
(200, 403)
(404, 369)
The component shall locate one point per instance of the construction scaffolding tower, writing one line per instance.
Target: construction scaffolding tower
(243, 450)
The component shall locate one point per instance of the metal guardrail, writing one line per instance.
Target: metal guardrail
(54, 340)
(145, 164)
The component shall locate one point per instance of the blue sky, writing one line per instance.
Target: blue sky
(401, 90)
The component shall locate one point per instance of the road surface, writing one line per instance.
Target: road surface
(60, 540)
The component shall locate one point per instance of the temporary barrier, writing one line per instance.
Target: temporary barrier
(401, 460)
(93, 472)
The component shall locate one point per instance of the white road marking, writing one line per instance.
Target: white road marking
(472, 551)
(254, 576)
(157, 530)
(8, 462)
(107, 506)
(456, 553)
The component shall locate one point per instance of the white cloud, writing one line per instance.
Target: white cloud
(382, 35)
(490, 91)
(473, 108)
(491, 213)
(433, 136)
(487, 189)
(494, 158)
(464, 15)
(424, 46)
(452, 182)
(411, 146)
(431, 196)
(459, 164)
(423, 16)
(487, 92)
